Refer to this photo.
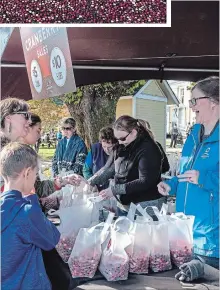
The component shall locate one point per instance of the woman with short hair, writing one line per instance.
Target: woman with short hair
(99, 153)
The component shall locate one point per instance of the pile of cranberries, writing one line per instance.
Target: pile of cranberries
(83, 11)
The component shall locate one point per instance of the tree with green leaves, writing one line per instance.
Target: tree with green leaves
(50, 111)
(191, 85)
(94, 106)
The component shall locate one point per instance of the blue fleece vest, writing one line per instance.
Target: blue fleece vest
(99, 157)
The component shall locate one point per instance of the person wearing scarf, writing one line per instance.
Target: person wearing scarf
(71, 151)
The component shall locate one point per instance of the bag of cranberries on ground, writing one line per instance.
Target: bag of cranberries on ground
(76, 211)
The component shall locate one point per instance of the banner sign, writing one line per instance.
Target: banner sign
(48, 61)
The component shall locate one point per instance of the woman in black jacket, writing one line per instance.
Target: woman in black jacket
(165, 162)
(136, 169)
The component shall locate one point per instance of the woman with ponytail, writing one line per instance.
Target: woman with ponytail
(136, 169)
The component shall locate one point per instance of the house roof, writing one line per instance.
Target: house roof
(188, 50)
(166, 91)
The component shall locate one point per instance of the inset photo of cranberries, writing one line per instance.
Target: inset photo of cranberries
(84, 11)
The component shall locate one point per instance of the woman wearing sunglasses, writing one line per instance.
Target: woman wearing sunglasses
(197, 185)
(136, 168)
(71, 151)
(15, 119)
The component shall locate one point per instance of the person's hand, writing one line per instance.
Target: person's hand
(191, 271)
(163, 188)
(73, 179)
(191, 176)
(106, 193)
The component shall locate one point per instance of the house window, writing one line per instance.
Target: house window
(181, 95)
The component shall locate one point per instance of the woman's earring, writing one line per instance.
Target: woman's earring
(9, 129)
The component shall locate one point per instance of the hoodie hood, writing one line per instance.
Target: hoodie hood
(11, 203)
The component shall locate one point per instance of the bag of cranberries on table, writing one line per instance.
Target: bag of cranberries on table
(86, 253)
(76, 211)
(174, 231)
(181, 238)
(114, 264)
(141, 243)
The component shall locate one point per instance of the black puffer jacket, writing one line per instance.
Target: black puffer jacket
(136, 171)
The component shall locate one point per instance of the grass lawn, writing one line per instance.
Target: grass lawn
(46, 153)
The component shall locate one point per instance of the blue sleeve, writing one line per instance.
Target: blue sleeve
(87, 168)
(173, 183)
(38, 230)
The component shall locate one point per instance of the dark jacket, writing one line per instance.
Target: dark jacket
(136, 171)
(165, 162)
(95, 160)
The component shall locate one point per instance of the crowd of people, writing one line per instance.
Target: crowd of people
(83, 11)
(126, 164)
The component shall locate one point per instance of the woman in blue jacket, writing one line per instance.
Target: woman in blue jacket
(197, 186)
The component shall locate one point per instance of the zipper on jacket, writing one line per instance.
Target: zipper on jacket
(197, 153)
(211, 205)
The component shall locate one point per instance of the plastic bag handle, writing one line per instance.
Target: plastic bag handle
(107, 223)
(131, 212)
(113, 239)
(121, 219)
(144, 213)
(157, 213)
(164, 209)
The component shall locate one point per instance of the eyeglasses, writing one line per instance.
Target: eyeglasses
(67, 128)
(193, 101)
(123, 138)
(27, 115)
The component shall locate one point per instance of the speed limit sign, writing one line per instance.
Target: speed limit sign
(58, 66)
(36, 76)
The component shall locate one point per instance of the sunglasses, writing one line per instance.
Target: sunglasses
(67, 128)
(123, 138)
(26, 115)
(193, 101)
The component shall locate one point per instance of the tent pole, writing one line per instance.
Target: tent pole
(92, 67)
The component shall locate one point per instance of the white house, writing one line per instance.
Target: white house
(150, 104)
(182, 114)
